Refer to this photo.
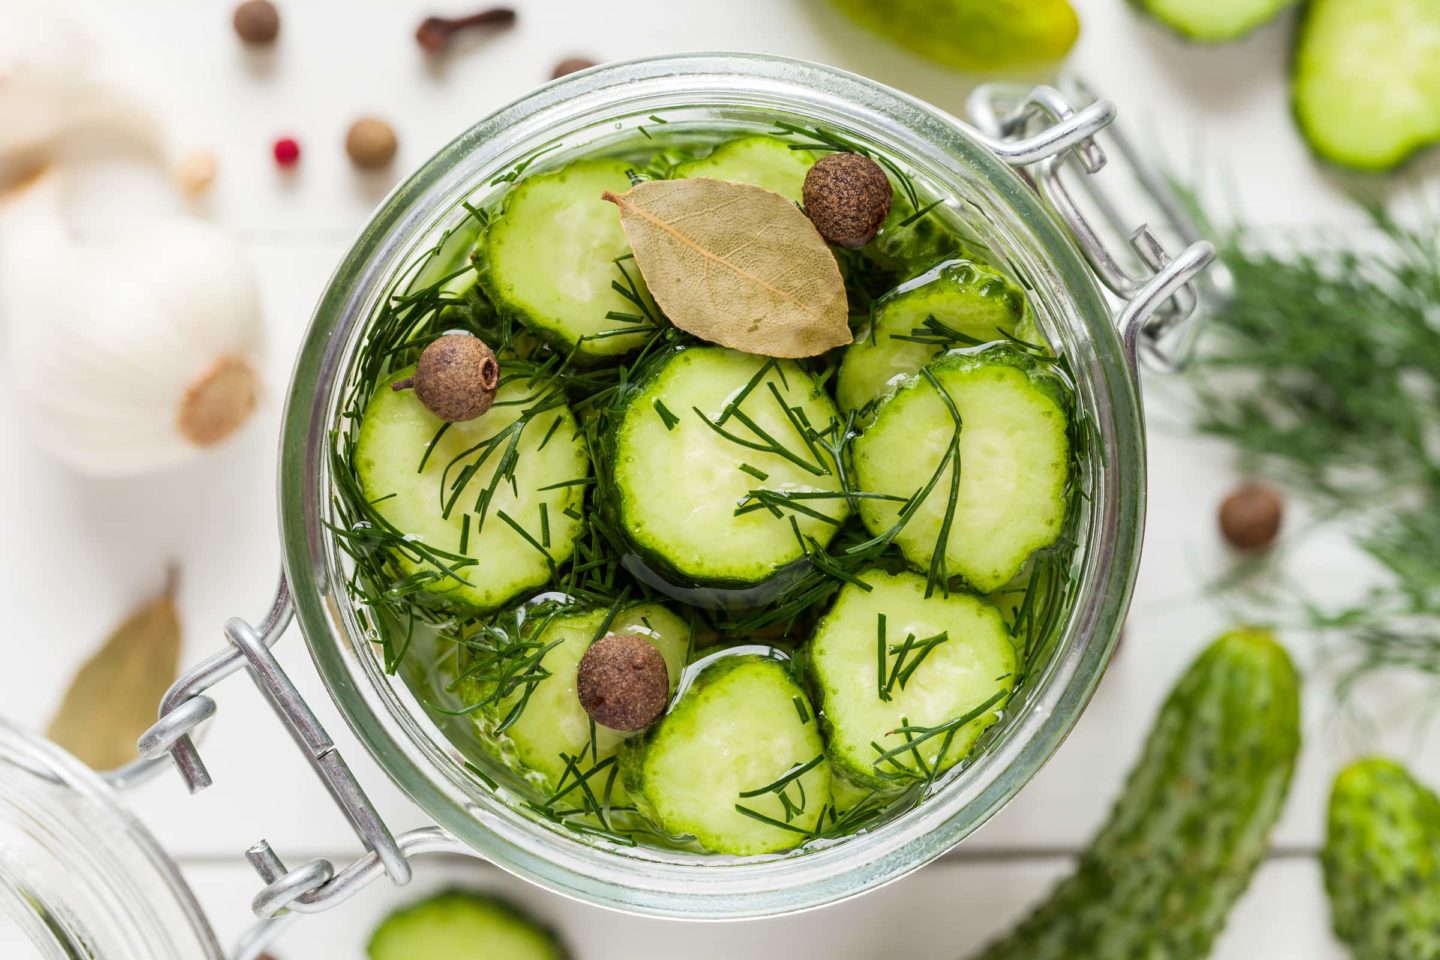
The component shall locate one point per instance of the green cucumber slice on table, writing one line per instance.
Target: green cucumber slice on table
(1006, 497)
(894, 666)
(550, 260)
(1191, 824)
(552, 738)
(1382, 863)
(1366, 80)
(527, 528)
(685, 466)
(957, 304)
(736, 763)
(761, 161)
(456, 925)
(1213, 21)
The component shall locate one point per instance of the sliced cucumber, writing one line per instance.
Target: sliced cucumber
(909, 244)
(463, 926)
(1214, 21)
(494, 562)
(963, 302)
(553, 732)
(682, 491)
(452, 255)
(734, 764)
(1367, 80)
(762, 161)
(890, 659)
(550, 259)
(1014, 465)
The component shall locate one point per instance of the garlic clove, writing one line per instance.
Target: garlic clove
(48, 87)
(135, 353)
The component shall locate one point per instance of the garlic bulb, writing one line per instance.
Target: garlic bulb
(135, 352)
(49, 87)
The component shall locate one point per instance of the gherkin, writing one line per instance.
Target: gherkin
(1382, 863)
(1160, 877)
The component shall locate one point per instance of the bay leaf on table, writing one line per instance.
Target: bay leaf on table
(116, 693)
(736, 265)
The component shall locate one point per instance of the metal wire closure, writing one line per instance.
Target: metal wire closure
(1045, 131)
(315, 885)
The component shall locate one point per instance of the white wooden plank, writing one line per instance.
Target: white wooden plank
(944, 912)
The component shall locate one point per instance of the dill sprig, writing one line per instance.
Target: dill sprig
(1324, 372)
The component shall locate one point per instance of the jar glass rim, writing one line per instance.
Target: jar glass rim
(102, 881)
(386, 724)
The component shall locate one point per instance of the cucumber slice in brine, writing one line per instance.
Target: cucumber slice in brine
(550, 260)
(715, 476)
(957, 304)
(760, 161)
(896, 667)
(734, 764)
(552, 737)
(1006, 497)
(428, 484)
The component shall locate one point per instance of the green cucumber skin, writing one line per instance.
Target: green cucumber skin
(1395, 159)
(1382, 863)
(1266, 11)
(462, 925)
(1180, 846)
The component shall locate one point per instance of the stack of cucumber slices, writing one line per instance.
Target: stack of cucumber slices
(846, 560)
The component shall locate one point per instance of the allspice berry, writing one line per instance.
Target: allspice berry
(847, 197)
(622, 682)
(456, 377)
(370, 143)
(257, 22)
(1250, 517)
(570, 65)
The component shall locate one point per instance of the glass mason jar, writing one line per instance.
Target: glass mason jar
(79, 875)
(1009, 192)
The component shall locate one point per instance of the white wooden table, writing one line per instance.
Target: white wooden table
(81, 552)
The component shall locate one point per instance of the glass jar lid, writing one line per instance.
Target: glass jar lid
(80, 876)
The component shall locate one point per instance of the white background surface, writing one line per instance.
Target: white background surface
(82, 552)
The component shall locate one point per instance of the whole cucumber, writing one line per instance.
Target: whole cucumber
(1190, 828)
(1382, 863)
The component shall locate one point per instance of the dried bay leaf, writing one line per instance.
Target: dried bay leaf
(114, 696)
(736, 265)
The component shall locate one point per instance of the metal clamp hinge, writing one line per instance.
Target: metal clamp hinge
(1043, 131)
(315, 885)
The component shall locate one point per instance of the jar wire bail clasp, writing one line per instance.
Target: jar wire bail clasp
(316, 885)
(1050, 135)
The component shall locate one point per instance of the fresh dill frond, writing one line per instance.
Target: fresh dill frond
(1323, 371)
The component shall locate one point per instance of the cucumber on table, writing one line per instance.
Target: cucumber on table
(1191, 824)
(1382, 863)
(456, 925)
(549, 259)
(1366, 80)
(890, 661)
(737, 763)
(1213, 21)
(694, 444)
(430, 489)
(1004, 500)
(553, 732)
(761, 161)
(953, 305)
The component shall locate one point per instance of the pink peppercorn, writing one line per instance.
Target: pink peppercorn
(287, 152)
